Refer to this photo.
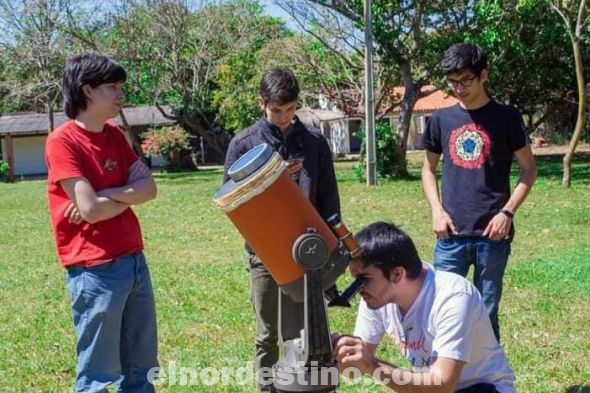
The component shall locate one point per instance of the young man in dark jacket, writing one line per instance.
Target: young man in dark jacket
(311, 166)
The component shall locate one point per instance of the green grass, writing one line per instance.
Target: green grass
(205, 318)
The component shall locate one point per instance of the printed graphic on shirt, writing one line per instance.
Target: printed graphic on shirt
(469, 146)
(110, 165)
(413, 347)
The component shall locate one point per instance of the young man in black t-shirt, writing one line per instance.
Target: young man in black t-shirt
(478, 138)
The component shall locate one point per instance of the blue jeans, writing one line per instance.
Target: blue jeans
(115, 320)
(489, 259)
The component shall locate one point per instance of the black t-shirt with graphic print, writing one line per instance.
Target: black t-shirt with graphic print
(477, 148)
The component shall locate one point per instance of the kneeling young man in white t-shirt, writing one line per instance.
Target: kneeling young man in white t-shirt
(437, 319)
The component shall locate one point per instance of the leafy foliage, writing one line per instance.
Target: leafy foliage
(4, 169)
(238, 77)
(195, 58)
(408, 37)
(168, 142)
(204, 59)
(34, 48)
(528, 56)
(389, 161)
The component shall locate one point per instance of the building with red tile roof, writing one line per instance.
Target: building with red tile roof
(340, 126)
(432, 102)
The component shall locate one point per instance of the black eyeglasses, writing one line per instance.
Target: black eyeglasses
(465, 82)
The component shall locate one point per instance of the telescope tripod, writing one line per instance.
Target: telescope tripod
(307, 364)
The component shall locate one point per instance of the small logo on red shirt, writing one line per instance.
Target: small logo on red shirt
(110, 165)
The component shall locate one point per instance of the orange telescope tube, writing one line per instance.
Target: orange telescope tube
(270, 211)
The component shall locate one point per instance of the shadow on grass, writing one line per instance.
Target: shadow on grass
(352, 178)
(548, 166)
(551, 166)
(411, 177)
(204, 173)
(578, 389)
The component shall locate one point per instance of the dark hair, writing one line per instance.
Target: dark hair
(460, 57)
(279, 85)
(386, 246)
(88, 69)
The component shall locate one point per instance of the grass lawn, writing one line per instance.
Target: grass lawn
(205, 318)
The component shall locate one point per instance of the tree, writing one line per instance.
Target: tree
(238, 78)
(527, 55)
(5, 104)
(174, 51)
(574, 21)
(36, 49)
(319, 69)
(326, 56)
(408, 37)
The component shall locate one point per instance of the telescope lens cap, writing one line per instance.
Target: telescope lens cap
(250, 162)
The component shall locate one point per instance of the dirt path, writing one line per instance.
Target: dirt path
(560, 150)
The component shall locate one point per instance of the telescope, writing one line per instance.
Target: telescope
(304, 254)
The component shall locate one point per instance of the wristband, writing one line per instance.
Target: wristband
(507, 213)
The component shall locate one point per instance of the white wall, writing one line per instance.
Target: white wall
(158, 161)
(29, 155)
(336, 132)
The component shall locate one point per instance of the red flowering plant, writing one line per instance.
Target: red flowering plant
(169, 142)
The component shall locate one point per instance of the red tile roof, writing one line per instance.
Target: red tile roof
(350, 101)
(432, 102)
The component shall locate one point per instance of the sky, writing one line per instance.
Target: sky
(270, 9)
(274, 10)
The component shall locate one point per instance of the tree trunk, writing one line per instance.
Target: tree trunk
(50, 118)
(213, 141)
(409, 99)
(174, 161)
(195, 160)
(581, 120)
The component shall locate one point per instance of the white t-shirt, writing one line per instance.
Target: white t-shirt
(447, 319)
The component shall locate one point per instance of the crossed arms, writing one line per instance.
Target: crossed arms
(91, 206)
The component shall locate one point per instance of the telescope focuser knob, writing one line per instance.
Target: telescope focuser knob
(311, 251)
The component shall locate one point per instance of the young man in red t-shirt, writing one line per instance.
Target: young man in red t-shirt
(94, 178)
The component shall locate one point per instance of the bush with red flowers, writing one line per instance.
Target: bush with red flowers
(169, 142)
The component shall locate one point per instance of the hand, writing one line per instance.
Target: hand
(294, 166)
(355, 267)
(499, 227)
(441, 223)
(73, 215)
(351, 351)
(138, 170)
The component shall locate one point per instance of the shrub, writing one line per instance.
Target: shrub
(168, 142)
(389, 163)
(4, 168)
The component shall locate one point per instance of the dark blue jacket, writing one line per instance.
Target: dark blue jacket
(317, 178)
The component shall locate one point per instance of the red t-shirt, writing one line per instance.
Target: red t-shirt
(103, 159)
